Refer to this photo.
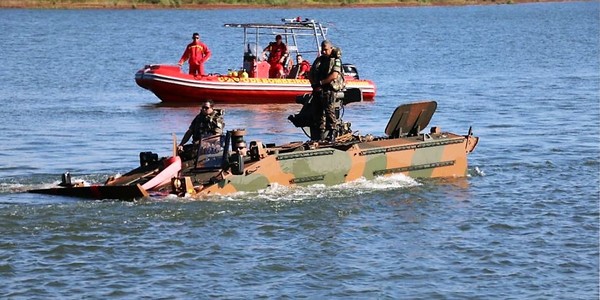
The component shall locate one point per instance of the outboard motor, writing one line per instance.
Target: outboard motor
(350, 70)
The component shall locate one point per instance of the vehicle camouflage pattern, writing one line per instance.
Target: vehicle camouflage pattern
(226, 164)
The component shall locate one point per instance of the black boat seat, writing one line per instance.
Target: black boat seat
(294, 72)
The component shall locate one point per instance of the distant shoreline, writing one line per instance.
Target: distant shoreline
(175, 4)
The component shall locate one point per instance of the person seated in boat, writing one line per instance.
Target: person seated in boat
(303, 67)
(278, 53)
(208, 124)
(197, 53)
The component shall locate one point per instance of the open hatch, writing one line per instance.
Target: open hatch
(410, 119)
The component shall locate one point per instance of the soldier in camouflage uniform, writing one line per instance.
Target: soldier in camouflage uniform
(208, 122)
(326, 79)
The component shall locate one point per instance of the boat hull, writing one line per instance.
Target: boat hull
(170, 85)
(97, 192)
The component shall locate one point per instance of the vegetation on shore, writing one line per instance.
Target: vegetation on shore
(222, 4)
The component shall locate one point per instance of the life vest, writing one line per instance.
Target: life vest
(276, 52)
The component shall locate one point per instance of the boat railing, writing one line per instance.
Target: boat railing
(292, 30)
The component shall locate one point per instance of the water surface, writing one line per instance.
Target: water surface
(523, 225)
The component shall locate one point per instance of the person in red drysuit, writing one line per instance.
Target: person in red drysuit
(198, 53)
(303, 67)
(278, 52)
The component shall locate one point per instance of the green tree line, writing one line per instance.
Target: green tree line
(237, 3)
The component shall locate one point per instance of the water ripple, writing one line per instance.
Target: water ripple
(524, 224)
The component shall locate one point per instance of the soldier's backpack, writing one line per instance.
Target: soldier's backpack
(339, 83)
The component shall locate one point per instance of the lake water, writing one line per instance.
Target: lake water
(523, 225)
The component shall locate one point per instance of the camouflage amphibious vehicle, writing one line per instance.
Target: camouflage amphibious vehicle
(227, 164)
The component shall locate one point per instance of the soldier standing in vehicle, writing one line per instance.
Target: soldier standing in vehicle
(208, 123)
(198, 53)
(326, 80)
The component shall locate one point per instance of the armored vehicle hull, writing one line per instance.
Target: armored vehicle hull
(224, 164)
